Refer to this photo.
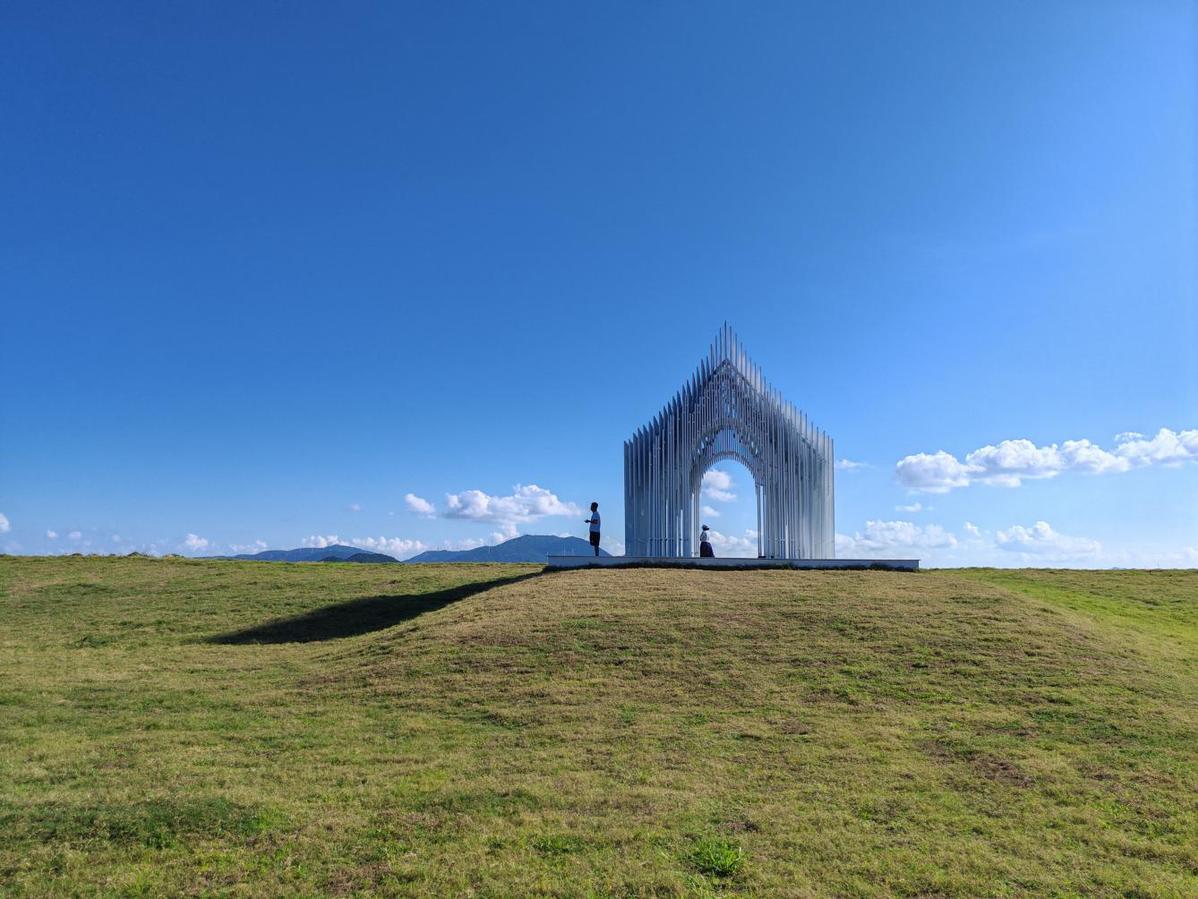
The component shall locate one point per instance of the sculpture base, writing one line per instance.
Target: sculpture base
(563, 562)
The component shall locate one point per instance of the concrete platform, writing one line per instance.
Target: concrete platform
(563, 562)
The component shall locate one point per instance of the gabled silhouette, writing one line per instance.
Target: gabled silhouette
(727, 410)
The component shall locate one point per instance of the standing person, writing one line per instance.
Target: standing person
(705, 550)
(593, 521)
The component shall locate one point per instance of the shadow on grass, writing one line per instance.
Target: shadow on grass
(359, 616)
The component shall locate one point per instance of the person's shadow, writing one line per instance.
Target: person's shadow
(358, 616)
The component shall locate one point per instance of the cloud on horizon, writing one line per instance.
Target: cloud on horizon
(398, 547)
(192, 543)
(731, 546)
(1041, 540)
(880, 537)
(1018, 546)
(248, 548)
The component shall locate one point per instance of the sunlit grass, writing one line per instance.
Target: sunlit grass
(172, 726)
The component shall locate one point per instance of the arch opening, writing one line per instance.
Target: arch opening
(729, 502)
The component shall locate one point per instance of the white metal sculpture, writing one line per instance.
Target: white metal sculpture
(727, 410)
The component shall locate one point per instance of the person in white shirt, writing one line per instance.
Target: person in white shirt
(705, 550)
(593, 521)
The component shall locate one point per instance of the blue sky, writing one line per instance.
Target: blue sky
(407, 275)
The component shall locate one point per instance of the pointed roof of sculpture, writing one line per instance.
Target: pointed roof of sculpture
(726, 349)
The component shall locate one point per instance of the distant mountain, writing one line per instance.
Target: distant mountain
(334, 553)
(527, 548)
(361, 557)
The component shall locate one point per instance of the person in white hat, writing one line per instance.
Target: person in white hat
(705, 544)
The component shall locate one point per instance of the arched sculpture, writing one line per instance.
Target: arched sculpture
(728, 411)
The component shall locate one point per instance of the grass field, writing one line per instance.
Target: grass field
(172, 726)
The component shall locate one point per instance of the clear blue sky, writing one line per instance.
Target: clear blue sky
(268, 269)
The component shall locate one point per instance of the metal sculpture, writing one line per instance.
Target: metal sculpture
(727, 410)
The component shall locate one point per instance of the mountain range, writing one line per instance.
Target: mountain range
(335, 553)
(526, 548)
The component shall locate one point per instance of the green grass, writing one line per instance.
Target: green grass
(225, 728)
(717, 856)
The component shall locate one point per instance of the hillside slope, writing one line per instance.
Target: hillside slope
(181, 726)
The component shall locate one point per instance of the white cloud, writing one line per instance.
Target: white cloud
(320, 542)
(76, 535)
(1013, 460)
(1084, 456)
(116, 538)
(194, 543)
(913, 507)
(1166, 448)
(937, 472)
(734, 547)
(397, 547)
(1041, 540)
(717, 485)
(1010, 462)
(418, 504)
(354, 507)
(5, 527)
(850, 465)
(526, 504)
(710, 512)
(887, 537)
(51, 535)
(1016, 546)
(470, 542)
(248, 548)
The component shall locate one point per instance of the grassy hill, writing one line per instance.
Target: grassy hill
(178, 726)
